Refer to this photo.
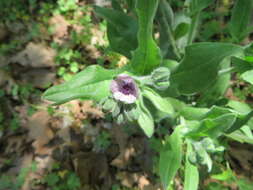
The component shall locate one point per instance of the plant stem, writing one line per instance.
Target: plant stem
(193, 28)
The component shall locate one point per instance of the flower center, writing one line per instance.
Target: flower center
(127, 89)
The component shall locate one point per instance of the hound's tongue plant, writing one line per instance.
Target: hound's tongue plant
(179, 82)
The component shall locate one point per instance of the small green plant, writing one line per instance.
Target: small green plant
(103, 141)
(56, 181)
(7, 182)
(68, 61)
(171, 81)
(67, 5)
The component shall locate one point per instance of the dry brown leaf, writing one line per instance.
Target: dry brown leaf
(3, 32)
(35, 55)
(123, 159)
(26, 163)
(39, 78)
(92, 169)
(15, 144)
(126, 150)
(97, 37)
(122, 61)
(3, 77)
(88, 108)
(39, 131)
(230, 95)
(242, 155)
(131, 180)
(16, 27)
(102, 3)
(3, 61)
(60, 28)
(143, 182)
(93, 52)
(43, 164)
(127, 179)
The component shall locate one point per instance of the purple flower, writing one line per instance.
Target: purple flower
(124, 89)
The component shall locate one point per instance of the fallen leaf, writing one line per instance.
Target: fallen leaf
(242, 156)
(3, 61)
(92, 168)
(3, 32)
(39, 78)
(35, 55)
(60, 28)
(40, 132)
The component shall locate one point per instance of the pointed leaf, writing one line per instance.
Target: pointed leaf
(200, 66)
(241, 16)
(213, 128)
(248, 76)
(147, 56)
(121, 30)
(170, 158)
(91, 83)
(160, 103)
(145, 119)
(191, 178)
(240, 121)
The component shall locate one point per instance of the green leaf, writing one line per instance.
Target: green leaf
(248, 76)
(247, 131)
(213, 128)
(52, 179)
(170, 64)
(191, 178)
(92, 83)
(166, 8)
(217, 111)
(121, 30)
(218, 89)
(160, 103)
(241, 16)
(240, 121)
(202, 156)
(241, 65)
(145, 119)
(170, 158)
(240, 137)
(177, 104)
(200, 66)
(193, 113)
(116, 5)
(241, 107)
(147, 56)
(226, 175)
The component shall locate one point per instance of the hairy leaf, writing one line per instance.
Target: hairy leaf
(160, 103)
(91, 83)
(147, 56)
(191, 177)
(170, 158)
(145, 119)
(200, 66)
(121, 30)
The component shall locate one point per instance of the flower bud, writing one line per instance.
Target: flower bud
(160, 78)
